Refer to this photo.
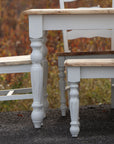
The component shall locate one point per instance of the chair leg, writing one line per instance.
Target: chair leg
(37, 114)
(74, 109)
(62, 90)
(112, 93)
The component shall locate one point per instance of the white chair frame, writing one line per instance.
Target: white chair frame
(70, 35)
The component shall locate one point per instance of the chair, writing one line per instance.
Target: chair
(73, 34)
(84, 68)
(20, 64)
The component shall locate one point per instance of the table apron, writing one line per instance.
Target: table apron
(67, 22)
(97, 72)
(76, 73)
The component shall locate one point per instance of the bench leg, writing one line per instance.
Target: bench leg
(37, 82)
(74, 109)
(112, 93)
(73, 79)
(62, 85)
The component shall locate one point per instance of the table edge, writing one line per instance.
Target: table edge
(69, 11)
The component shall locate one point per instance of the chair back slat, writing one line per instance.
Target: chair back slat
(88, 34)
(112, 3)
(85, 33)
(61, 2)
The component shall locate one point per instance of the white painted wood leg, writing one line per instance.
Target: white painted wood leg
(74, 109)
(45, 75)
(73, 79)
(37, 82)
(112, 93)
(62, 85)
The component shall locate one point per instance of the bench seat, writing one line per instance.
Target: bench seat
(89, 62)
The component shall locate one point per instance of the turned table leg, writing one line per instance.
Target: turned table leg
(37, 82)
(36, 37)
(45, 75)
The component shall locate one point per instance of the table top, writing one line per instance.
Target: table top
(77, 11)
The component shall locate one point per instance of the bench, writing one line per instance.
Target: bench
(79, 55)
(84, 68)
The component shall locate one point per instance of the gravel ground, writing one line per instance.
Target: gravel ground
(96, 123)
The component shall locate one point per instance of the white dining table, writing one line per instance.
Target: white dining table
(41, 20)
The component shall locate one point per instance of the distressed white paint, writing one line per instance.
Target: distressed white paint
(37, 81)
(88, 34)
(97, 72)
(94, 75)
(67, 35)
(74, 76)
(112, 80)
(112, 94)
(23, 91)
(65, 41)
(113, 3)
(74, 34)
(10, 65)
(74, 107)
(71, 72)
(83, 21)
(61, 3)
(15, 69)
(10, 92)
(62, 85)
(45, 74)
(35, 26)
(69, 0)
(63, 22)
(16, 97)
(56, 22)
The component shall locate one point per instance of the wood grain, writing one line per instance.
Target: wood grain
(15, 60)
(85, 53)
(69, 11)
(89, 62)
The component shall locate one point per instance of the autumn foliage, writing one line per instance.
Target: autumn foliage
(14, 40)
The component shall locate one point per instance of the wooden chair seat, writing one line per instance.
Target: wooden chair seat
(15, 60)
(89, 62)
(15, 64)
